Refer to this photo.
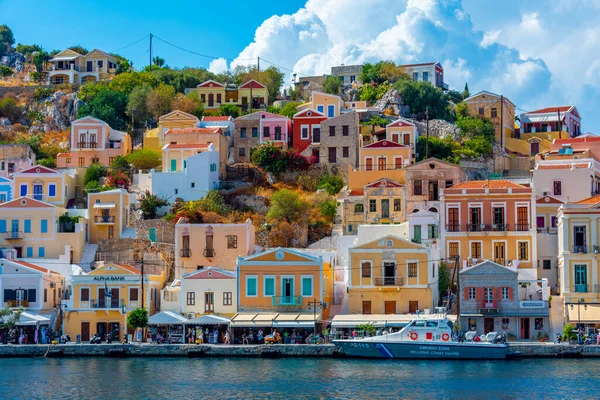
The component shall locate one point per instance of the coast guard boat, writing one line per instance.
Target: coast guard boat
(427, 338)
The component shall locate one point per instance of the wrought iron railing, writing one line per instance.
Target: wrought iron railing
(389, 281)
(287, 300)
(185, 253)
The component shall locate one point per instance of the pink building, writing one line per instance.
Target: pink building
(274, 128)
(94, 141)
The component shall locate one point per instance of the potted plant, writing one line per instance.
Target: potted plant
(542, 336)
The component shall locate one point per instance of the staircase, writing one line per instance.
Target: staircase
(340, 301)
(88, 256)
(556, 317)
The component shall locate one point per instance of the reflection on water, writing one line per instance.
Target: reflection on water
(182, 378)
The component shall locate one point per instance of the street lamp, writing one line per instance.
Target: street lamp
(314, 304)
(579, 302)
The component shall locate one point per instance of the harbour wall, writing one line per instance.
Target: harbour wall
(526, 350)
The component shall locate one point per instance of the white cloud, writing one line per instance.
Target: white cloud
(490, 38)
(218, 66)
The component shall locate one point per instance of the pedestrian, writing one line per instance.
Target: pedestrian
(259, 336)
(244, 338)
(227, 337)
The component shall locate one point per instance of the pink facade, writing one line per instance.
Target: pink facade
(274, 128)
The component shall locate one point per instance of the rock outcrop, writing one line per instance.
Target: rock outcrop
(59, 110)
(14, 60)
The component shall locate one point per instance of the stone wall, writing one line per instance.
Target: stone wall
(165, 230)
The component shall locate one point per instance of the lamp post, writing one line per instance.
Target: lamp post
(579, 302)
(314, 304)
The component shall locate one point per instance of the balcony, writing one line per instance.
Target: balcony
(579, 249)
(17, 303)
(107, 303)
(209, 253)
(499, 227)
(13, 235)
(104, 219)
(453, 228)
(583, 288)
(287, 301)
(65, 67)
(87, 145)
(476, 227)
(488, 304)
(389, 281)
(522, 227)
(185, 253)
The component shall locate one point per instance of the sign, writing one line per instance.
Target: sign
(110, 278)
(533, 304)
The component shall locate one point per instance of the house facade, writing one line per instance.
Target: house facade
(347, 73)
(260, 127)
(328, 104)
(68, 66)
(432, 72)
(102, 299)
(306, 137)
(45, 184)
(391, 275)
(154, 139)
(197, 140)
(494, 299)
(223, 122)
(212, 95)
(14, 158)
(7, 189)
(94, 141)
(209, 290)
(340, 140)
(109, 214)
(557, 122)
(403, 132)
(498, 109)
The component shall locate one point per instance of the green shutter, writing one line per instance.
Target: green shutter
(251, 287)
(152, 234)
(269, 287)
(307, 287)
(173, 165)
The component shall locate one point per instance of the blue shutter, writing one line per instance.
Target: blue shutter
(269, 287)
(23, 191)
(51, 190)
(251, 287)
(2, 226)
(306, 287)
(41, 252)
(44, 226)
(27, 228)
(330, 110)
(320, 109)
(30, 252)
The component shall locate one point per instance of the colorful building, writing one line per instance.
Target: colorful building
(382, 159)
(198, 246)
(391, 275)
(252, 130)
(154, 139)
(251, 95)
(224, 122)
(403, 132)
(498, 109)
(14, 158)
(7, 189)
(547, 239)
(33, 228)
(109, 214)
(212, 95)
(492, 219)
(94, 141)
(196, 140)
(45, 184)
(340, 141)
(553, 122)
(209, 290)
(68, 66)
(102, 298)
(328, 104)
(431, 72)
(306, 137)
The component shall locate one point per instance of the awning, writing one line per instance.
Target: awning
(167, 318)
(30, 319)
(589, 315)
(296, 320)
(209, 320)
(354, 320)
(64, 58)
(252, 320)
(105, 205)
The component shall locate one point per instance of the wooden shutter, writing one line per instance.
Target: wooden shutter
(478, 294)
(510, 293)
(466, 294)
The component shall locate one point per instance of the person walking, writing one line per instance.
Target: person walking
(227, 337)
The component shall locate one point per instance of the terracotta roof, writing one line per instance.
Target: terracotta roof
(384, 144)
(128, 268)
(25, 202)
(33, 266)
(563, 166)
(590, 200)
(188, 146)
(586, 139)
(488, 184)
(551, 109)
(215, 118)
(356, 192)
(193, 130)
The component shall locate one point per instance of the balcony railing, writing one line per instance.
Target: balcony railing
(579, 249)
(104, 219)
(209, 252)
(185, 253)
(580, 288)
(476, 227)
(87, 145)
(487, 228)
(107, 303)
(287, 300)
(65, 67)
(389, 281)
(17, 303)
(13, 235)
(486, 304)
(453, 228)
(522, 227)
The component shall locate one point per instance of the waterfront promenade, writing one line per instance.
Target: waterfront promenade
(527, 350)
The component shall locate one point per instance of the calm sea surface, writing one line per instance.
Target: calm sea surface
(169, 378)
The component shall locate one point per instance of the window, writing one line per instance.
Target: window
(242, 152)
(539, 324)
(494, 113)
(418, 188)
(372, 205)
(304, 132)
(432, 231)
(415, 76)
(85, 294)
(488, 295)
(523, 251)
(365, 269)
(45, 295)
(397, 205)
(449, 183)
(44, 226)
(242, 132)
(191, 298)
(81, 161)
(345, 130)
(504, 293)
(30, 252)
(2, 168)
(546, 264)
(68, 160)
(192, 185)
(41, 252)
(412, 270)
(425, 76)
(475, 249)
(505, 323)
(269, 289)
(100, 63)
(266, 131)
(580, 275)
(345, 152)
(254, 131)
(213, 167)
(232, 241)
(307, 286)
(227, 298)
(349, 227)
(557, 188)
(358, 208)
(332, 130)
(366, 307)
(52, 190)
(481, 111)
(23, 190)
(332, 155)
(471, 294)
(330, 110)
(27, 226)
(251, 286)
(498, 218)
(219, 98)
(453, 249)
(133, 294)
(2, 226)
(316, 136)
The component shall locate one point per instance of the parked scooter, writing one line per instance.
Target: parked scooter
(65, 339)
(96, 339)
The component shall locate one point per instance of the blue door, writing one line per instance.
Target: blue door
(330, 110)
(15, 228)
(37, 192)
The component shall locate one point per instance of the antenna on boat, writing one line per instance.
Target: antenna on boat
(457, 270)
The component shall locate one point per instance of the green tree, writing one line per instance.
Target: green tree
(160, 100)
(10, 109)
(7, 39)
(376, 121)
(47, 162)
(9, 318)
(213, 202)
(331, 183)
(443, 279)
(5, 71)
(332, 84)
(27, 50)
(127, 81)
(109, 106)
(137, 104)
(94, 172)
(466, 92)
(444, 149)
(137, 318)
(79, 49)
(149, 203)
(420, 96)
(190, 104)
(328, 208)
(40, 59)
(286, 205)
(120, 164)
(289, 109)
(158, 61)
(368, 73)
(367, 92)
(230, 110)
(144, 159)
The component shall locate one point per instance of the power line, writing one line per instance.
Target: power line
(200, 54)
(287, 69)
(131, 44)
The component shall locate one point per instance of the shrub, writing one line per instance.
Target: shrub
(93, 186)
(307, 182)
(149, 204)
(10, 109)
(286, 205)
(5, 71)
(328, 208)
(568, 333)
(230, 110)
(93, 173)
(121, 164)
(144, 159)
(213, 202)
(35, 76)
(47, 162)
(331, 183)
(118, 179)
(273, 159)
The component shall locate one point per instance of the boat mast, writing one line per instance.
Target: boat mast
(457, 270)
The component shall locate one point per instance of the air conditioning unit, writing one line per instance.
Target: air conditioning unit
(52, 285)
(191, 315)
(545, 193)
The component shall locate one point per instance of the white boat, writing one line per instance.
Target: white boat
(426, 338)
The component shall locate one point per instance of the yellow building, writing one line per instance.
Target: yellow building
(101, 300)
(34, 230)
(328, 104)
(45, 184)
(392, 276)
(109, 214)
(498, 109)
(254, 94)
(403, 132)
(154, 139)
(68, 66)
(382, 159)
(212, 95)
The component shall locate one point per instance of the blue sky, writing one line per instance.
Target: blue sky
(538, 53)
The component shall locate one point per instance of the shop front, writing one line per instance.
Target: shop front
(206, 329)
(166, 327)
(586, 316)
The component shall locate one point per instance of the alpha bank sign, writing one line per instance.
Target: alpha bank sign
(532, 304)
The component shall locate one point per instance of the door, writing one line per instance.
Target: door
(433, 191)
(89, 66)
(15, 228)
(453, 220)
(417, 233)
(111, 232)
(114, 299)
(499, 253)
(114, 329)
(535, 148)
(390, 307)
(85, 331)
(381, 163)
(173, 165)
(316, 153)
(152, 235)
(209, 302)
(101, 298)
(488, 325)
(413, 306)
(19, 251)
(525, 328)
(244, 103)
(522, 219)
(332, 155)
(385, 208)
(369, 164)
(37, 192)
(105, 214)
(366, 307)
(277, 133)
(330, 110)
(287, 288)
(102, 329)
(389, 275)
(475, 214)
(316, 136)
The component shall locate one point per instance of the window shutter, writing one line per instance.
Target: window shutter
(466, 294)
(31, 295)
(510, 293)
(478, 294)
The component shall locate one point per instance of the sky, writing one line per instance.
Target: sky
(538, 53)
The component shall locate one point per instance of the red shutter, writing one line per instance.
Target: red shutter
(466, 294)
(478, 294)
(510, 293)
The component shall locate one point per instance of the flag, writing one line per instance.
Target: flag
(107, 292)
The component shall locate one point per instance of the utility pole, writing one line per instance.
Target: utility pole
(143, 298)
(258, 65)
(150, 65)
(559, 124)
(457, 269)
(502, 121)
(427, 136)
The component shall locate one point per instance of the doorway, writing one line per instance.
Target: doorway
(85, 331)
(390, 307)
(488, 325)
(287, 288)
(366, 307)
(19, 251)
(433, 191)
(385, 208)
(525, 328)
(381, 164)
(211, 100)
(413, 306)
(102, 329)
(38, 192)
(89, 66)
(499, 253)
(316, 153)
(209, 302)
(389, 274)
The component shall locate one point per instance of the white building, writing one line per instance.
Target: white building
(432, 72)
(209, 290)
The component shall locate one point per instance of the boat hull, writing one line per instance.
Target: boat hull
(419, 350)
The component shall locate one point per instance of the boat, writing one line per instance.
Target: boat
(431, 338)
